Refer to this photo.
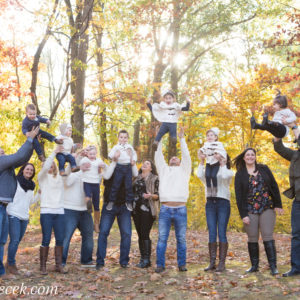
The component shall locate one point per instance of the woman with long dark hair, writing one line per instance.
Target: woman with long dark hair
(18, 213)
(258, 200)
(217, 210)
(146, 208)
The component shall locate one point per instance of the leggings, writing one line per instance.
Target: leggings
(276, 129)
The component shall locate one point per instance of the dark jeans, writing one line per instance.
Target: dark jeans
(143, 221)
(92, 190)
(123, 216)
(276, 129)
(55, 222)
(295, 247)
(211, 172)
(167, 217)
(122, 173)
(167, 127)
(217, 217)
(36, 144)
(84, 222)
(17, 228)
(3, 235)
(63, 158)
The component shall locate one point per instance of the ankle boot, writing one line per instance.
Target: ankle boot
(223, 247)
(58, 260)
(96, 220)
(142, 253)
(212, 248)
(271, 255)
(253, 250)
(147, 254)
(253, 123)
(43, 259)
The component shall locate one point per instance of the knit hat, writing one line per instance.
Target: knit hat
(215, 130)
(63, 128)
(170, 92)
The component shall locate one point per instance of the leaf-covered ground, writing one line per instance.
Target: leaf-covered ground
(114, 282)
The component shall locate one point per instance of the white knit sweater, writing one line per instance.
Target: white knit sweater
(285, 113)
(52, 188)
(67, 143)
(224, 177)
(210, 148)
(124, 157)
(20, 206)
(174, 180)
(92, 175)
(168, 113)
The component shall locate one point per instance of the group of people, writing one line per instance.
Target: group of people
(159, 190)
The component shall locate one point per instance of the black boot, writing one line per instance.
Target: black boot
(265, 120)
(142, 253)
(212, 248)
(253, 250)
(271, 255)
(147, 254)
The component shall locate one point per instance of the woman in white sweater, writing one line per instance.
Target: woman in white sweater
(18, 213)
(217, 211)
(52, 211)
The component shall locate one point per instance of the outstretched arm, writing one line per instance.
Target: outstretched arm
(186, 161)
(159, 159)
(282, 150)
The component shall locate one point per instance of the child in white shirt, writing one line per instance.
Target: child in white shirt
(210, 148)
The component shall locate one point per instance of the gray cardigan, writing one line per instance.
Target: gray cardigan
(8, 163)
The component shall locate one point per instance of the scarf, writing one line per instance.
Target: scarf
(25, 183)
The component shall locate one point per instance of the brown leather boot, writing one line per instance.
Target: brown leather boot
(223, 247)
(75, 169)
(12, 269)
(43, 259)
(212, 248)
(58, 260)
(96, 220)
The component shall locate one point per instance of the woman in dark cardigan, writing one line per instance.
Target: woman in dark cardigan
(258, 200)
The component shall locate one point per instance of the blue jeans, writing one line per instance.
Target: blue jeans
(122, 173)
(167, 216)
(217, 217)
(17, 228)
(63, 158)
(124, 222)
(55, 222)
(92, 190)
(84, 222)
(211, 172)
(165, 128)
(36, 144)
(3, 235)
(295, 247)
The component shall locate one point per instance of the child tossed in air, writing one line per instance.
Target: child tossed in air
(283, 116)
(123, 170)
(210, 148)
(68, 147)
(32, 120)
(167, 112)
(91, 182)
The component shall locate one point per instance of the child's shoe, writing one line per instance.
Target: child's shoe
(128, 206)
(42, 157)
(253, 123)
(75, 169)
(265, 119)
(154, 145)
(59, 141)
(62, 173)
(109, 205)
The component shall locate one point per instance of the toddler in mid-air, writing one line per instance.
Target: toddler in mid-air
(211, 147)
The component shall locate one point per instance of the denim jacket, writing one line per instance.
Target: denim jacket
(8, 163)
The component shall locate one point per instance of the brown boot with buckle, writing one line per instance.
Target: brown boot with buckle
(96, 220)
(43, 259)
(58, 260)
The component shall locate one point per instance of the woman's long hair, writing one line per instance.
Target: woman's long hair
(239, 162)
(154, 171)
(22, 169)
(228, 163)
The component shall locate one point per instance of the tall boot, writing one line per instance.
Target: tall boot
(223, 247)
(58, 260)
(142, 253)
(271, 255)
(96, 220)
(147, 254)
(253, 250)
(255, 125)
(43, 259)
(212, 248)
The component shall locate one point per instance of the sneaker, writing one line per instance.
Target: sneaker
(182, 269)
(88, 265)
(59, 141)
(265, 119)
(159, 269)
(99, 267)
(128, 206)
(109, 205)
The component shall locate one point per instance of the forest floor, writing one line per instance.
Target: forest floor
(113, 282)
